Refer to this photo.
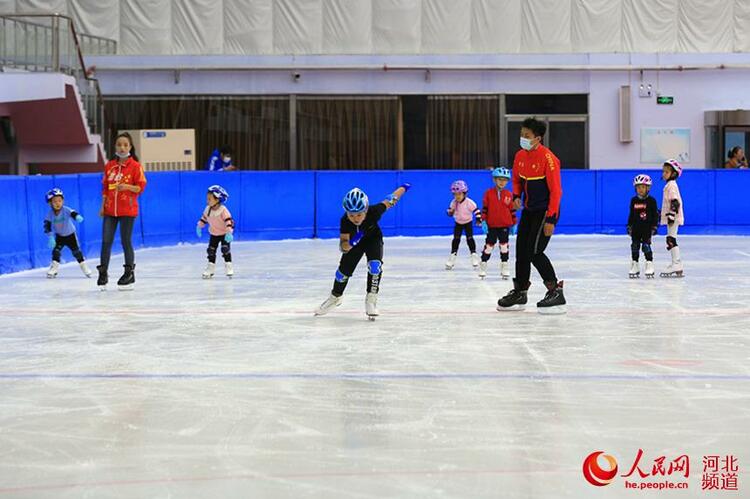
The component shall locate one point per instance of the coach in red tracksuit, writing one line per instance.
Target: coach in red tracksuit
(536, 180)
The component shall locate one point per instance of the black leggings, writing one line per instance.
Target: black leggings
(459, 229)
(126, 237)
(640, 238)
(373, 248)
(213, 243)
(530, 245)
(494, 235)
(71, 241)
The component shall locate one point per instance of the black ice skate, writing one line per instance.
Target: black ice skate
(554, 301)
(127, 280)
(103, 277)
(515, 300)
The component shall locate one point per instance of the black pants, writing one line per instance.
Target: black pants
(530, 245)
(213, 244)
(640, 238)
(459, 229)
(126, 237)
(71, 241)
(494, 235)
(373, 248)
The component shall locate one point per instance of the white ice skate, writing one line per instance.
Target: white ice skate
(210, 269)
(635, 270)
(505, 270)
(371, 306)
(482, 270)
(330, 303)
(451, 262)
(649, 270)
(52, 272)
(474, 260)
(85, 269)
(229, 269)
(674, 269)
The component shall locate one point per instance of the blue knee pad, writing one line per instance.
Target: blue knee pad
(340, 277)
(646, 248)
(375, 267)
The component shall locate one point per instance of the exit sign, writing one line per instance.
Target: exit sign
(664, 99)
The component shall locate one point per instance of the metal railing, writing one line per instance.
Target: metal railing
(50, 42)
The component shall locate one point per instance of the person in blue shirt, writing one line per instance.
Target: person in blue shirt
(61, 232)
(220, 160)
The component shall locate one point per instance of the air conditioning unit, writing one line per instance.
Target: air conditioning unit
(165, 150)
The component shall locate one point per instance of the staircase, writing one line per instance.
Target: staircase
(52, 108)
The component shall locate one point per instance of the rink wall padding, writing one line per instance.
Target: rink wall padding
(275, 205)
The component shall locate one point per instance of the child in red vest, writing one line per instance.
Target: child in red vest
(498, 217)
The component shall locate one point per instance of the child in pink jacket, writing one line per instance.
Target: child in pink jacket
(463, 210)
(220, 228)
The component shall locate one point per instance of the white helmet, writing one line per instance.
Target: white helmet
(642, 180)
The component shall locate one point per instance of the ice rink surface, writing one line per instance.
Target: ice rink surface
(231, 388)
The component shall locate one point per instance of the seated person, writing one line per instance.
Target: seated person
(220, 160)
(736, 158)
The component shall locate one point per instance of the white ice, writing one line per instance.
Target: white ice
(231, 388)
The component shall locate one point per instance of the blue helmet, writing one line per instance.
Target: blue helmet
(56, 191)
(219, 193)
(501, 172)
(355, 201)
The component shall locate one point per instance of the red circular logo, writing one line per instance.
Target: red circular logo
(595, 474)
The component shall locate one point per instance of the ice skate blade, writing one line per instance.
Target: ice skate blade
(371, 317)
(649, 276)
(102, 287)
(506, 277)
(556, 310)
(672, 275)
(512, 308)
(208, 276)
(50, 276)
(448, 267)
(634, 276)
(126, 287)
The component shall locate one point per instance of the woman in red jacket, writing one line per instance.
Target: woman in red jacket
(123, 182)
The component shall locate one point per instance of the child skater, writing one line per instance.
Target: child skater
(642, 223)
(220, 228)
(122, 183)
(672, 214)
(498, 217)
(462, 209)
(58, 225)
(360, 235)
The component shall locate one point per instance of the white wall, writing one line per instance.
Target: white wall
(694, 91)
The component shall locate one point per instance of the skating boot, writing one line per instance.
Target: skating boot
(371, 306)
(330, 303)
(52, 272)
(209, 272)
(482, 270)
(451, 262)
(228, 269)
(649, 269)
(635, 270)
(674, 269)
(85, 269)
(474, 260)
(516, 299)
(505, 270)
(127, 280)
(554, 301)
(103, 278)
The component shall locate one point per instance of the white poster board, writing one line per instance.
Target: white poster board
(659, 144)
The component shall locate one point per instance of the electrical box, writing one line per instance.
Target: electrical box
(165, 150)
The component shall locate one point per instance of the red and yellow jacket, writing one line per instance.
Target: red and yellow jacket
(536, 175)
(122, 203)
(497, 208)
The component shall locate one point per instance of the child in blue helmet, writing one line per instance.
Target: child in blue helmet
(360, 235)
(498, 216)
(220, 229)
(61, 232)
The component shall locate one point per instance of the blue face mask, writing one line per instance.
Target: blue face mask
(526, 143)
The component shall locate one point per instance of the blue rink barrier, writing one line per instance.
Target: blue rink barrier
(272, 205)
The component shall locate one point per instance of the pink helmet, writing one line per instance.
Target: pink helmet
(675, 166)
(642, 180)
(459, 186)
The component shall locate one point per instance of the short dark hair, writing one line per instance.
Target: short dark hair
(538, 128)
(225, 150)
(733, 151)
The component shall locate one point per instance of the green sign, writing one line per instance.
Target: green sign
(665, 99)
